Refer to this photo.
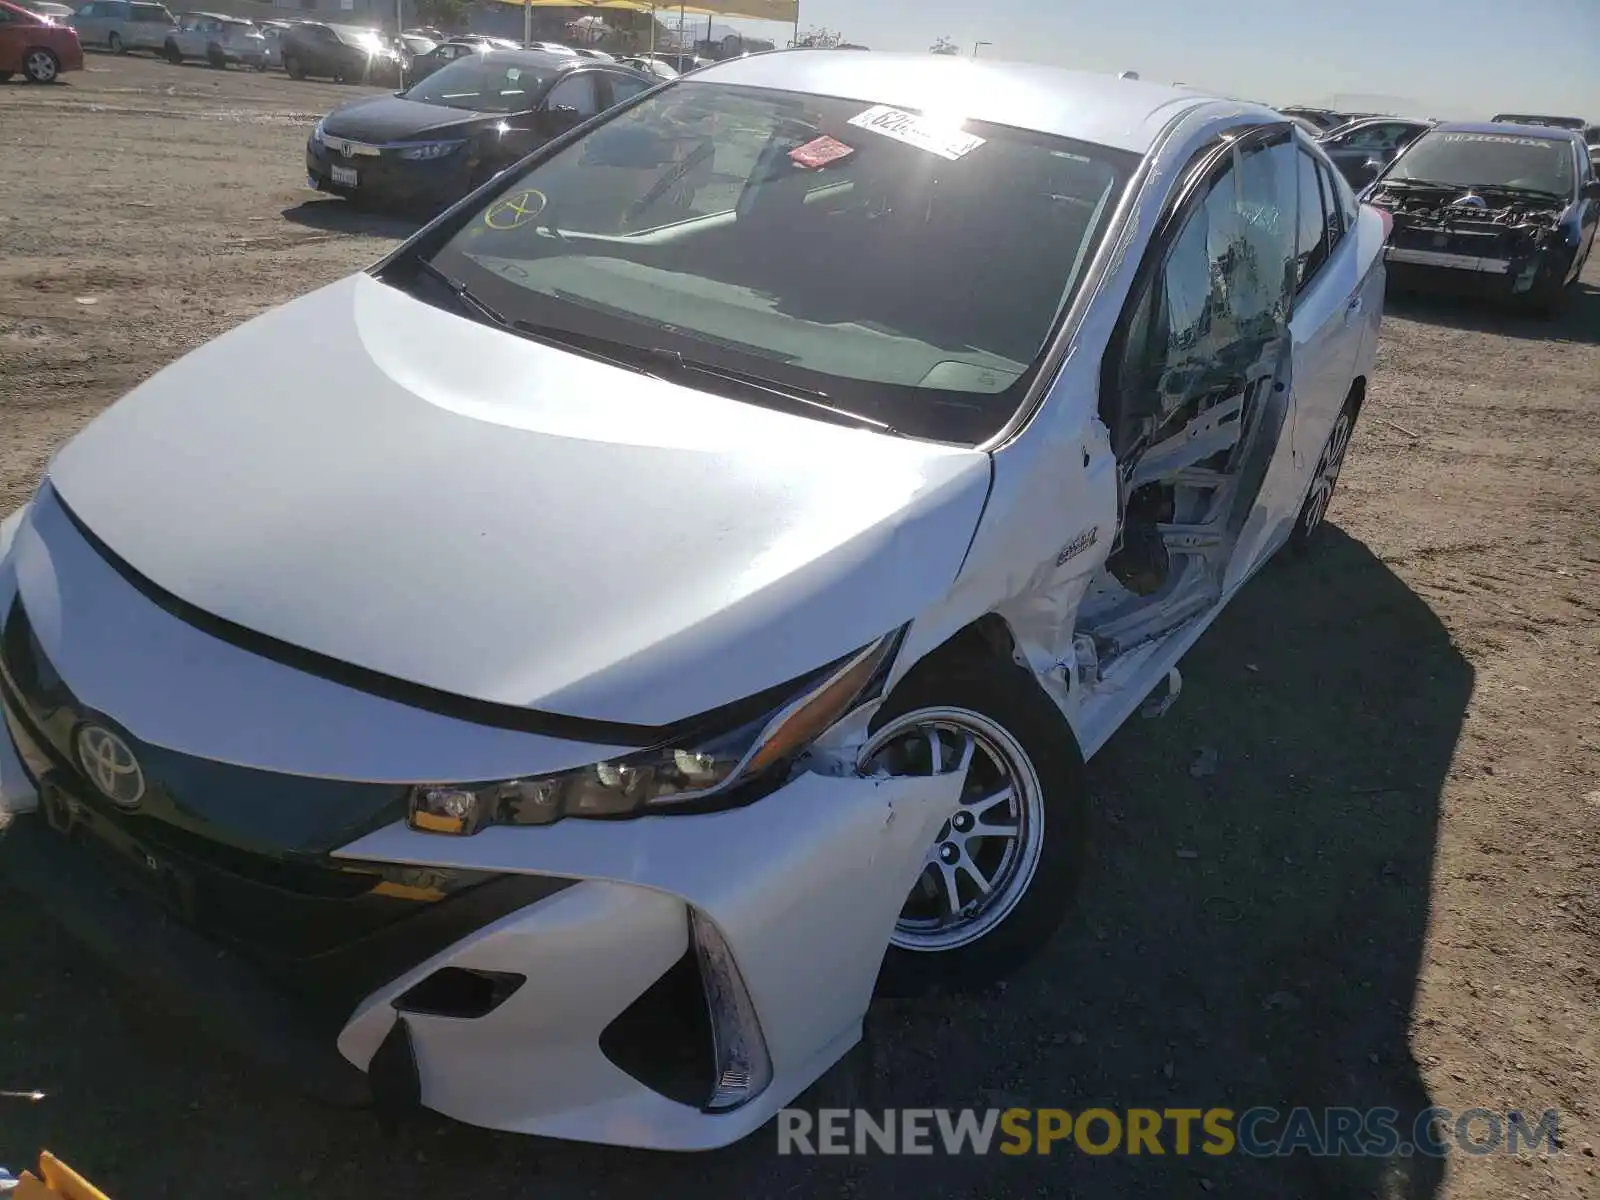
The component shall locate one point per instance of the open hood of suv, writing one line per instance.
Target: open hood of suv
(368, 477)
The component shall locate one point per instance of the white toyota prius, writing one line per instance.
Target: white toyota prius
(673, 596)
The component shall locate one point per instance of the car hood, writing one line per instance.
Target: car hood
(365, 476)
(392, 119)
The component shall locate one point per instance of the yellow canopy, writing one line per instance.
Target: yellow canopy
(787, 11)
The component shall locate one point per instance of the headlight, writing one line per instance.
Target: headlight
(431, 150)
(704, 774)
(316, 131)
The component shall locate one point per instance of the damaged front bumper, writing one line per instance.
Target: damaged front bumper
(698, 974)
(668, 981)
(1507, 250)
(777, 914)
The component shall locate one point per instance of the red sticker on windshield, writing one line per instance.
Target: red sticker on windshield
(820, 152)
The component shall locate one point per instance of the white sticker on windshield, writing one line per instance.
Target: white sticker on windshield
(918, 131)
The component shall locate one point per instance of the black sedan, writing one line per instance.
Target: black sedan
(431, 144)
(1492, 210)
(1362, 148)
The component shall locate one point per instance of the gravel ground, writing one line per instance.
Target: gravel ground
(1385, 893)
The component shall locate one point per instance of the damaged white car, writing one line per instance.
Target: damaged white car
(674, 595)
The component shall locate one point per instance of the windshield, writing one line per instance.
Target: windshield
(909, 271)
(482, 83)
(366, 39)
(1469, 160)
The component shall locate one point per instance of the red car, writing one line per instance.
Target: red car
(36, 46)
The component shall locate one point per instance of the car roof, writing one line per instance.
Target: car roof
(1549, 132)
(1124, 113)
(539, 58)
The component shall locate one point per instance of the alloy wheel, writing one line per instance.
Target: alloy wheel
(1327, 472)
(40, 66)
(985, 856)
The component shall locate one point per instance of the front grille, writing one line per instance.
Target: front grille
(243, 855)
(1469, 242)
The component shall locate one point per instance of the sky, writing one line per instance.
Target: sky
(1461, 59)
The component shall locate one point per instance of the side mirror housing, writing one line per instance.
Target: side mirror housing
(1591, 190)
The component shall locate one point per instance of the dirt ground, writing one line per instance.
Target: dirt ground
(1386, 893)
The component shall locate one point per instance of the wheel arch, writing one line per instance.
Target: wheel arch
(987, 639)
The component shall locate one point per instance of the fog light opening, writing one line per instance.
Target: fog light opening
(460, 992)
(743, 1065)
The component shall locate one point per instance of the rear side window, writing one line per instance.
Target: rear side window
(1312, 243)
(151, 12)
(578, 93)
(1333, 214)
(625, 87)
(1344, 198)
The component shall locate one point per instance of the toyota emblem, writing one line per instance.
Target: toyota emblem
(111, 766)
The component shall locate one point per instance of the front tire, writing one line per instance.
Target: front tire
(40, 65)
(114, 44)
(1001, 874)
(1549, 299)
(292, 67)
(173, 54)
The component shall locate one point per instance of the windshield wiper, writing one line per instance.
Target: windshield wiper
(1423, 183)
(662, 363)
(463, 294)
(655, 361)
(1518, 190)
(807, 397)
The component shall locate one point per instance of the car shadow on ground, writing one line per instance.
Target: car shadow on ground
(1250, 934)
(340, 216)
(1578, 320)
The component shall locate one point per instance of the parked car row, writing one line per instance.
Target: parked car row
(1505, 209)
(303, 49)
(122, 26)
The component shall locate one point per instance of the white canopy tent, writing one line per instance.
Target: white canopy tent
(787, 11)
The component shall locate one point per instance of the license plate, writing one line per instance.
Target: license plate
(344, 176)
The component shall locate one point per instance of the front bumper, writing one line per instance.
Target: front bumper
(599, 1041)
(1515, 279)
(387, 178)
(657, 966)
